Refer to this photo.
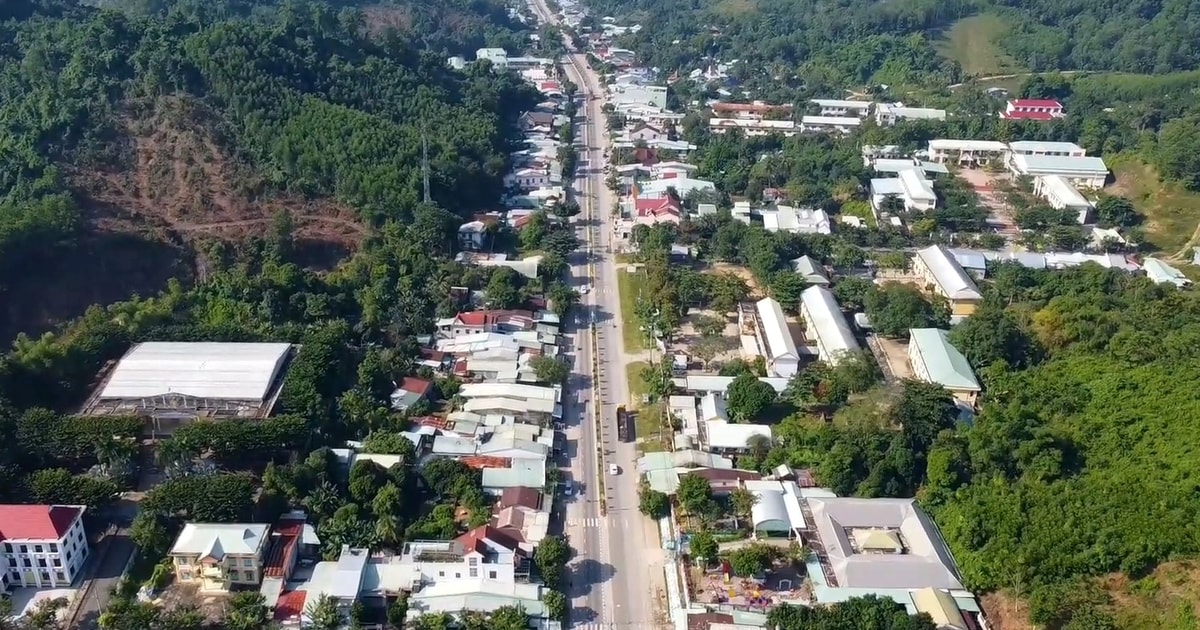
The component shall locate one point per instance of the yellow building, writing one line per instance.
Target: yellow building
(941, 274)
(217, 556)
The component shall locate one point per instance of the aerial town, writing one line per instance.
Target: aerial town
(558, 314)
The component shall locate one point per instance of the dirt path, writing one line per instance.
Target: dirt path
(199, 227)
(997, 77)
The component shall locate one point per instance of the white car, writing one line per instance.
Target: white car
(583, 290)
(612, 469)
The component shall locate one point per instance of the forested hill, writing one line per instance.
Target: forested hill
(891, 42)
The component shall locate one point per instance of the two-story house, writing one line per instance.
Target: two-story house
(44, 546)
(484, 553)
(217, 556)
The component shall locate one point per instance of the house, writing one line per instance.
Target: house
(497, 56)
(672, 169)
(752, 127)
(1162, 273)
(895, 166)
(811, 271)
(1058, 149)
(825, 325)
(522, 515)
(941, 273)
(1084, 172)
(646, 133)
(472, 235)
(653, 95)
(840, 108)
(722, 437)
(775, 339)
(653, 211)
(887, 115)
(935, 360)
(829, 124)
(482, 553)
(777, 509)
(910, 186)
(966, 152)
(474, 322)
(218, 556)
(682, 185)
(723, 481)
(1060, 194)
(1032, 109)
(795, 220)
(527, 178)
(292, 542)
(44, 545)
(536, 118)
(409, 392)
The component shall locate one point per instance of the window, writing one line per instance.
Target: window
(58, 575)
(26, 562)
(16, 575)
(53, 547)
(457, 576)
(492, 575)
(474, 572)
(247, 562)
(185, 575)
(12, 562)
(473, 562)
(24, 549)
(233, 574)
(57, 562)
(42, 562)
(45, 576)
(37, 549)
(441, 574)
(68, 556)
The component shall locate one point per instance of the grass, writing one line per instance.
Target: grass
(646, 421)
(735, 8)
(628, 284)
(1172, 212)
(972, 42)
(637, 387)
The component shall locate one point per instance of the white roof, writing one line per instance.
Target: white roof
(1036, 146)
(832, 102)
(893, 165)
(790, 219)
(218, 539)
(780, 344)
(945, 144)
(712, 407)
(949, 275)
(925, 561)
(829, 325)
(1163, 273)
(714, 383)
(916, 186)
(508, 390)
(778, 505)
(925, 113)
(229, 371)
(723, 434)
(882, 186)
(834, 121)
(1059, 164)
(482, 595)
(1066, 193)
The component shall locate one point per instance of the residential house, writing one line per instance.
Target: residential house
(217, 556)
(910, 187)
(1060, 194)
(1160, 272)
(1032, 109)
(653, 95)
(646, 133)
(536, 118)
(411, 391)
(795, 220)
(44, 546)
(497, 56)
(527, 178)
(941, 273)
(472, 235)
(724, 438)
(935, 360)
(840, 108)
(474, 322)
(482, 553)
(653, 211)
(682, 185)
(672, 168)
(723, 481)
(293, 541)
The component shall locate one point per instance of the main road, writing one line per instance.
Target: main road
(617, 572)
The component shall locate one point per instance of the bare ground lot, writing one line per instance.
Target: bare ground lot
(985, 184)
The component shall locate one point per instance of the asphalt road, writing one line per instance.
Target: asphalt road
(617, 571)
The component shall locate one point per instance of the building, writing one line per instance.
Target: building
(1059, 193)
(44, 545)
(410, 391)
(1057, 149)
(657, 210)
(652, 95)
(172, 382)
(775, 340)
(795, 220)
(777, 510)
(910, 186)
(940, 272)
(472, 235)
(829, 124)
(883, 547)
(527, 178)
(646, 133)
(497, 56)
(681, 185)
(1032, 109)
(218, 556)
(1084, 172)
(482, 553)
(751, 111)
(752, 127)
(811, 271)
(887, 115)
(966, 152)
(825, 325)
(897, 165)
(839, 108)
(1162, 273)
(935, 360)
(723, 437)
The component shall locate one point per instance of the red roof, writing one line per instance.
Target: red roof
(657, 207)
(429, 354)
(290, 605)
(474, 539)
(1027, 116)
(480, 462)
(416, 385)
(473, 318)
(1035, 102)
(549, 85)
(284, 538)
(761, 108)
(36, 522)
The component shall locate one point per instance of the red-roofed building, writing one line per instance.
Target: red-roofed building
(44, 546)
(479, 462)
(289, 606)
(411, 391)
(1032, 109)
(473, 322)
(653, 211)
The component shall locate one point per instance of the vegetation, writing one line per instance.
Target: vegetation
(857, 613)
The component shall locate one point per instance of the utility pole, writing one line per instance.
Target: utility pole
(425, 165)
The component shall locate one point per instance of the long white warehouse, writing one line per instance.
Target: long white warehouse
(825, 324)
(783, 359)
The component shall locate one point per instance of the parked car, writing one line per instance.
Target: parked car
(613, 470)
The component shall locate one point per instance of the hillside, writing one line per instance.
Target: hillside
(177, 123)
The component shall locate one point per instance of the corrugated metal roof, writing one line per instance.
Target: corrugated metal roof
(943, 362)
(1039, 164)
(774, 328)
(949, 275)
(227, 371)
(827, 322)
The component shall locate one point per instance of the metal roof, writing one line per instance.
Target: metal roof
(219, 539)
(949, 275)
(723, 434)
(228, 371)
(780, 344)
(1037, 146)
(948, 144)
(944, 364)
(1055, 164)
(829, 326)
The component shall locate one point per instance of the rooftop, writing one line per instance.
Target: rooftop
(37, 522)
(216, 540)
(944, 363)
(723, 434)
(1036, 164)
(230, 371)
(774, 327)
(949, 275)
(828, 322)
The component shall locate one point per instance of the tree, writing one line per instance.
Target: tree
(324, 613)
(786, 287)
(1177, 156)
(1116, 211)
(247, 611)
(389, 443)
(503, 290)
(694, 494)
(751, 560)
(990, 335)
(550, 370)
(709, 326)
(551, 557)
(562, 298)
(851, 292)
(653, 503)
(747, 397)
(742, 501)
(895, 308)
(704, 547)
(707, 348)
(659, 379)
(397, 612)
(556, 605)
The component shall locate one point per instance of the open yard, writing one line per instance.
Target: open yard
(629, 284)
(973, 43)
(1172, 212)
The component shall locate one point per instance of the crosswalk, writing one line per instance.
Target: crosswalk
(584, 522)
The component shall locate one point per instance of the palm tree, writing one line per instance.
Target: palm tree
(324, 614)
(743, 502)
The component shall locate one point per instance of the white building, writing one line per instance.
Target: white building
(751, 127)
(941, 273)
(783, 359)
(44, 545)
(943, 150)
(497, 56)
(1035, 147)
(795, 220)
(527, 179)
(1162, 273)
(839, 108)
(1060, 194)
(829, 124)
(1084, 172)
(683, 186)
(653, 95)
(910, 186)
(887, 115)
(825, 325)
(727, 437)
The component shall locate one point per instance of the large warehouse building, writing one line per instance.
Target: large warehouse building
(173, 381)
